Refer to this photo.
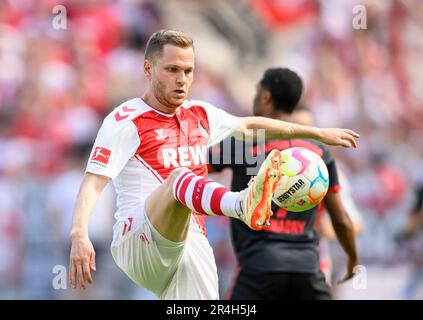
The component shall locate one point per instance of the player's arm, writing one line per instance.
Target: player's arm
(286, 130)
(344, 230)
(116, 142)
(82, 256)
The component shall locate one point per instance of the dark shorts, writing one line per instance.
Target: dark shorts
(251, 285)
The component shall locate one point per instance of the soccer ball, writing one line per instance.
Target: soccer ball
(304, 182)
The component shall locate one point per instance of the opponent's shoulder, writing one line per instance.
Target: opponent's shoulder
(324, 153)
(315, 146)
(310, 144)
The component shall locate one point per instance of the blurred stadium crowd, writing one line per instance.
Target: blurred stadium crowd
(57, 85)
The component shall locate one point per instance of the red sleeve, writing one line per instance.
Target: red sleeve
(334, 188)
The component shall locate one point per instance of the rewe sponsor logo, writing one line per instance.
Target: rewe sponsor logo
(184, 156)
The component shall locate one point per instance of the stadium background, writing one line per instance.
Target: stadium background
(57, 85)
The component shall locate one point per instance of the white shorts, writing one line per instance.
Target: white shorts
(171, 270)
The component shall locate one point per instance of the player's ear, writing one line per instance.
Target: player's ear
(148, 69)
(265, 96)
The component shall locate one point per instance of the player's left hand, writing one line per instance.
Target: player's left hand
(339, 137)
(350, 271)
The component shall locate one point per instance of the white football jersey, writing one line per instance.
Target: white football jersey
(138, 146)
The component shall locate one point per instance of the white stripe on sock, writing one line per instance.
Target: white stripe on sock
(207, 194)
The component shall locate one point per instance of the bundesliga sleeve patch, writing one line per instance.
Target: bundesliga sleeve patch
(101, 156)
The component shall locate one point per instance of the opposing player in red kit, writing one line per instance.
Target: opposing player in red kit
(154, 149)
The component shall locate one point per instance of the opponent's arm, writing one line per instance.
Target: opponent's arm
(344, 230)
(82, 256)
(285, 130)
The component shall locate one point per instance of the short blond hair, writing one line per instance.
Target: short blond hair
(158, 39)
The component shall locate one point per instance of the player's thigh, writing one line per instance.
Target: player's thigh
(196, 277)
(146, 257)
(168, 216)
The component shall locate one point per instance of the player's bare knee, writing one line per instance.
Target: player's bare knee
(166, 190)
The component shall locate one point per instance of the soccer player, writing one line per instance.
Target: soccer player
(153, 147)
(282, 261)
(323, 224)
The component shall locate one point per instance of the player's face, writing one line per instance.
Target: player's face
(172, 75)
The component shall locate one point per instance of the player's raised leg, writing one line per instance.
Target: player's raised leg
(170, 205)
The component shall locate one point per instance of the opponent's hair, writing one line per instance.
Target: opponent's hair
(157, 40)
(285, 87)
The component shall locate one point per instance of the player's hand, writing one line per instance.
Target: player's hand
(350, 271)
(339, 137)
(82, 262)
